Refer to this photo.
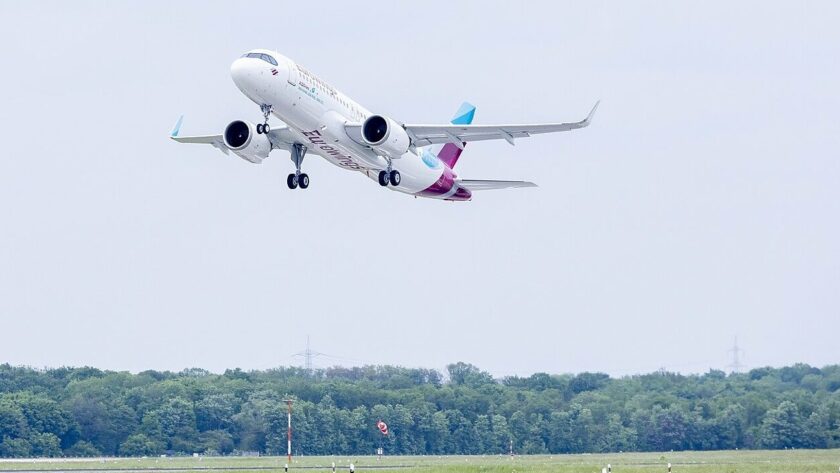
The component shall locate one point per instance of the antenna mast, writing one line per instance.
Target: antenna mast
(736, 351)
(308, 355)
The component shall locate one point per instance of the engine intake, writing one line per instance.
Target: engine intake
(385, 136)
(242, 138)
(375, 130)
(237, 135)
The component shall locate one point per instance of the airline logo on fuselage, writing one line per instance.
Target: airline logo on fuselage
(310, 92)
(430, 159)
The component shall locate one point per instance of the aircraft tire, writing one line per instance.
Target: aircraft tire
(292, 181)
(383, 178)
(303, 181)
(395, 177)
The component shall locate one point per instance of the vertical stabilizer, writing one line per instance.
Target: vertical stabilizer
(450, 153)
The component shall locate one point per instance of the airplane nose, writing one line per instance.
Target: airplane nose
(258, 79)
(240, 72)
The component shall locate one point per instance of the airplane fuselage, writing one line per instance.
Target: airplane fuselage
(316, 114)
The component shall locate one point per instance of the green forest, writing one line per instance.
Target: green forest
(89, 412)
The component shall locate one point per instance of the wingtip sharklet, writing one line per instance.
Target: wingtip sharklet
(588, 118)
(177, 128)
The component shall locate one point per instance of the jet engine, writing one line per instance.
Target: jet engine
(242, 138)
(385, 136)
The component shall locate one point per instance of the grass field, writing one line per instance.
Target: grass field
(792, 461)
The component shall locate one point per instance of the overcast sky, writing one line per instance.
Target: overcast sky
(702, 203)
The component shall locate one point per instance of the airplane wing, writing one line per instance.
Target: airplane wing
(479, 185)
(280, 138)
(425, 135)
(215, 140)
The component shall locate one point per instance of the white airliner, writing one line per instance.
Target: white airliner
(414, 159)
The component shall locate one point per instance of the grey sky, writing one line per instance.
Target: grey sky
(702, 203)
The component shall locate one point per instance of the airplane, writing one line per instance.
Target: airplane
(414, 159)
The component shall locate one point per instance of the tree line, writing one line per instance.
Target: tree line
(90, 412)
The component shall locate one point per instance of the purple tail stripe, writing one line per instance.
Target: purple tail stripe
(449, 154)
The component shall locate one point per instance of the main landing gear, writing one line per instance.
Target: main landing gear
(389, 176)
(263, 127)
(298, 178)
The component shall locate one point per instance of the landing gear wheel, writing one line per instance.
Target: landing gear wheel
(298, 151)
(259, 128)
(383, 178)
(266, 128)
(292, 181)
(395, 177)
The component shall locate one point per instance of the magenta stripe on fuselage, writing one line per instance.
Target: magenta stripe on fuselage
(442, 186)
(446, 186)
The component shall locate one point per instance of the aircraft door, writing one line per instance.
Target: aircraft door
(293, 75)
(293, 93)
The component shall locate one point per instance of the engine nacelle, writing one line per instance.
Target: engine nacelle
(385, 136)
(242, 138)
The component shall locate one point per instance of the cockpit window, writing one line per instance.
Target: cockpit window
(264, 57)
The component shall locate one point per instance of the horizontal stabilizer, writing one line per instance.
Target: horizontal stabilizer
(483, 185)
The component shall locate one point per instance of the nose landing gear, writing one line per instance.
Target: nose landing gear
(298, 178)
(263, 128)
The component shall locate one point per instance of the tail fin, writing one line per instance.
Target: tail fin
(450, 153)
